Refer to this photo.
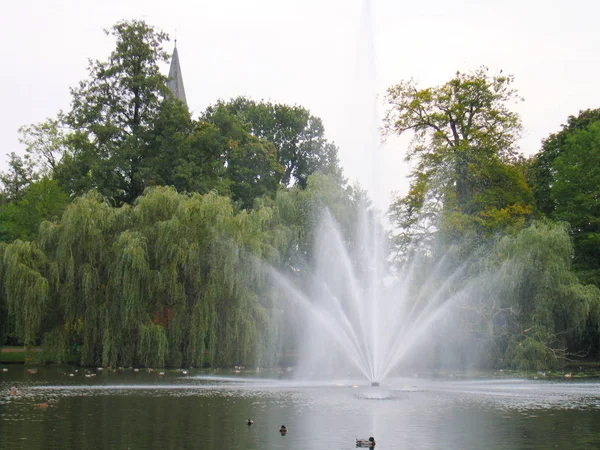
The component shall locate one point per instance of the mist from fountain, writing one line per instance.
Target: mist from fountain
(353, 308)
(354, 305)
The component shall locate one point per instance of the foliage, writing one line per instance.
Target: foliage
(190, 155)
(532, 306)
(541, 170)
(44, 144)
(302, 211)
(171, 280)
(566, 185)
(21, 173)
(463, 122)
(113, 114)
(251, 163)
(464, 147)
(26, 288)
(41, 200)
(298, 136)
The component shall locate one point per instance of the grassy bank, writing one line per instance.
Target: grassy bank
(11, 354)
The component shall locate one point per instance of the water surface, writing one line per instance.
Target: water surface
(140, 410)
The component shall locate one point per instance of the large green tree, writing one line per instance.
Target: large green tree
(565, 177)
(113, 115)
(541, 170)
(464, 150)
(298, 136)
(251, 169)
(191, 154)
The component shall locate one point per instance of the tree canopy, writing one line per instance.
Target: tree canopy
(464, 148)
(113, 113)
(566, 184)
(298, 137)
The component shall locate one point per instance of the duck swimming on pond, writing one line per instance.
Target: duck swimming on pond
(249, 422)
(366, 442)
(283, 429)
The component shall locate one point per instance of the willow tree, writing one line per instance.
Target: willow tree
(529, 304)
(27, 284)
(172, 280)
(464, 132)
(222, 271)
(175, 279)
(80, 245)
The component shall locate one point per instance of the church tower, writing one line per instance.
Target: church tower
(175, 83)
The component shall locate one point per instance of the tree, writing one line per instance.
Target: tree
(113, 115)
(541, 170)
(172, 280)
(44, 144)
(125, 131)
(298, 136)
(25, 271)
(566, 183)
(21, 173)
(251, 167)
(191, 155)
(464, 135)
(41, 200)
(535, 308)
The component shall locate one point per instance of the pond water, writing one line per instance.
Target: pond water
(140, 410)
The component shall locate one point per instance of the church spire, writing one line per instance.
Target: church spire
(175, 83)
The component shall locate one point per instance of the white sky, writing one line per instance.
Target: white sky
(320, 54)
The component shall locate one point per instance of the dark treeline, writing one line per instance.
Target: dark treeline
(133, 234)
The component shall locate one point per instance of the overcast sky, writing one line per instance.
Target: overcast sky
(331, 56)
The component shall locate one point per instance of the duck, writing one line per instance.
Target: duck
(13, 391)
(283, 429)
(42, 405)
(249, 422)
(366, 442)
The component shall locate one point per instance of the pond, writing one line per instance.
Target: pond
(59, 408)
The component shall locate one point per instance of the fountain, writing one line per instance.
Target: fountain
(359, 313)
(355, 313)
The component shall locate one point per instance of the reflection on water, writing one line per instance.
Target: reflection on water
(127, 410)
